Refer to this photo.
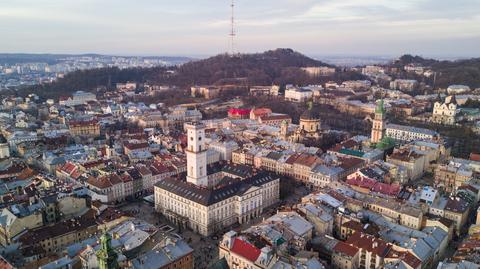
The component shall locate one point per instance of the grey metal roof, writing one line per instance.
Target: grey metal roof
(162, 255)
(239, 170)
(411, 129)
(208, 197)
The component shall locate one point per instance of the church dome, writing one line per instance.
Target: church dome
(310, 115)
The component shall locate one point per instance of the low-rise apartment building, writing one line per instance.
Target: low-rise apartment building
(402, 133)
(90, 128)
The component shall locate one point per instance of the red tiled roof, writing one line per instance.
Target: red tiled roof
(275, 117)
(68, 168)
(163, 157)
(307, 160)
(27, 173)
(350, 162)
(347, 144)
(369, 229)
(134, 146)
(137, 136)
(336, 148)
(362, 182)
(91, 164)
(126, 178)
(115, 179)
(404, 155)
(373, 185)
(388, 189)
(457, 205)
(340, 197)
(292, 158)
(369, 243)
(411, 260)
(100, 182)
(159, 168)
(104, 181)
(183, 139)
(345, 249)
(261, 111)
(237, 111)
(469, 244)
(76, 174)
(245, 249)
(475, 157)
(406, 257)
(143, 170)
(14, 169)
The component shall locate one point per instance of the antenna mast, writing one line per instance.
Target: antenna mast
(232, 30)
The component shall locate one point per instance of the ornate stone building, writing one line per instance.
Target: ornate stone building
(310, 126)
(446, 112)
(208, 206)
(90, 128)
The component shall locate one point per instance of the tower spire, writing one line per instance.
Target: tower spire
(232, 28)
(106, 255)
(380, 107)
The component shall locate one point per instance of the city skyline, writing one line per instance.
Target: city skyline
(424, 27)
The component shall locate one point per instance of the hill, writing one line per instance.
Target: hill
(465, 71)
(89, 80)
(272, 66)
(410, 59)
(279, 66)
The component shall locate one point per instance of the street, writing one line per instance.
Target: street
(205, 248)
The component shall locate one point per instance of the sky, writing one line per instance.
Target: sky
(439, 28)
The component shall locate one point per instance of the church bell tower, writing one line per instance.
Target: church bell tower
(379, 124)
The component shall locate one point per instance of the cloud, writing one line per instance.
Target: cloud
(181, 25)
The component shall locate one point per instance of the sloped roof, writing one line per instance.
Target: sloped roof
(208, 197)
(369, 243)
(245, 249)
(346, 249)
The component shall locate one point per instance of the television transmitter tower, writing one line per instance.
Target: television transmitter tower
(232, 30)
